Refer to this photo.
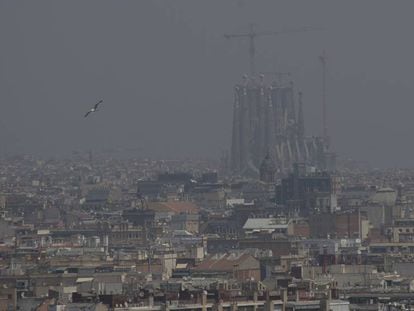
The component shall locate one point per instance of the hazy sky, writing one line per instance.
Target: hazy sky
(166, 73)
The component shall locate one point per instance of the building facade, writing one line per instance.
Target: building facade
(267, 120)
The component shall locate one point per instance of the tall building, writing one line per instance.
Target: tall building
(268, 121)
(303, 193)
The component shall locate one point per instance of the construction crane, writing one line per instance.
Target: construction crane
(322, 59)
(252, 35)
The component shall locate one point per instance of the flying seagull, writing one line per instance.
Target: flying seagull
(95, 108)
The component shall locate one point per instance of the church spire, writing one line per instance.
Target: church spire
(301, 119)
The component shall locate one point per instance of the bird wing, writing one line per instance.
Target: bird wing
(98, 103)
(87, 114)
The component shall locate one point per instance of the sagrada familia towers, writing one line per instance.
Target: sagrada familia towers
(268, 122)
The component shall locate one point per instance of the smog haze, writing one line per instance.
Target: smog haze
(166, 74)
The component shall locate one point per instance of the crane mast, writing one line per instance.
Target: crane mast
(251, 35)
(325, 134)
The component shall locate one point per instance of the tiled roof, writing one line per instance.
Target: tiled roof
(176, 207)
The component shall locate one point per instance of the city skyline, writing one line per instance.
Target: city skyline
(195, 155)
